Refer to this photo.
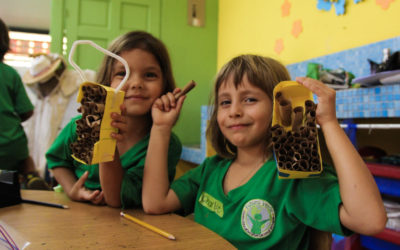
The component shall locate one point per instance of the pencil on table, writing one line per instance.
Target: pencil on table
(148, 226)
(44, 203)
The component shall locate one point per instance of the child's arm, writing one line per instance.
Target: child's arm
(362, 210)
(74, 188)
(111, 173)
(157, 197)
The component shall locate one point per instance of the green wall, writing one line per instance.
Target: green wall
(193, 53)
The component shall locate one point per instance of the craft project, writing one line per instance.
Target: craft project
(294, 132)
(94, 143)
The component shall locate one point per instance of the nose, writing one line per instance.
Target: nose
(235, 110)
(134, 82)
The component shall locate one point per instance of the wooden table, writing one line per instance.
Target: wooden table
(100, 227)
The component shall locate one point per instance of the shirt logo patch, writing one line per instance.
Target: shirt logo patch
(258, 218)
(212, 204)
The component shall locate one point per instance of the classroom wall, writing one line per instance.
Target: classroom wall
(255, 26)
(193, 53)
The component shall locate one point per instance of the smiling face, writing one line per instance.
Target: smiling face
(145, 83)
(244, 113)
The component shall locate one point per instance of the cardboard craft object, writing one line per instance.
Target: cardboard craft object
(294, 132)
(94, 143)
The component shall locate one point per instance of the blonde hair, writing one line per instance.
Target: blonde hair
(262, 72)
(138, 40)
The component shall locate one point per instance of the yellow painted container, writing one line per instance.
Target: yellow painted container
(297, 94)
(104, 148)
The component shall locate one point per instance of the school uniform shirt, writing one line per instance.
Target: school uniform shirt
(132, 161)
(13, 102)
(264, 213)
(50, 111)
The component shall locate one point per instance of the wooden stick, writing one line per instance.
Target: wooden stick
(186, 89)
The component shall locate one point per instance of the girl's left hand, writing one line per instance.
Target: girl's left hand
(119, 122)
(165, 110)
(326, 109)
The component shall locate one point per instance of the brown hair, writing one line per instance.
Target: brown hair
(262, 72)
(138, 40)
(4, 40)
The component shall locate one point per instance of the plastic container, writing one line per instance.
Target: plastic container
(104, 149)
(296, 95)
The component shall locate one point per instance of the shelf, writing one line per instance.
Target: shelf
(389, 235)
(384, 170)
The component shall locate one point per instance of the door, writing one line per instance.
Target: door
(100, 21)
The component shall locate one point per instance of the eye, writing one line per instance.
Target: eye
(224, 103)
(250, 100)
(150, 75)
(120, 73)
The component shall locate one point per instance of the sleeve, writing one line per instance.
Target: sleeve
(59, 154)
(320, 199)
(187, 186)
(131, 189)
(22, 103)
(174, 155)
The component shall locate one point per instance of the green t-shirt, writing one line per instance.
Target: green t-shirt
(132, 161)
(264, 213)
(13, 102)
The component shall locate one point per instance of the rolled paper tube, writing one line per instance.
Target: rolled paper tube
(296, 135)
(278, 96)
(312, 131)
(315, 160)
(296, 156)
(309, 105)
(275, 139)
(307, 151)
(304, 144)
(295, 166)
(287, 147)
(297, 119)
(95, 134)
(282, 158)
(277, 130)
(288, 165)
(311, 139)
(296, 147)
(277, 146)
(305, 157)
(282, 151)
(92, 120)
(281, 165)
(99, 108)
(315, 167)
(285, 110)
(290, 153)
(289, 139)
(282, 139)
(314, 153)
(303, 131)
(310, 117)
(311, 124)
(304, 166)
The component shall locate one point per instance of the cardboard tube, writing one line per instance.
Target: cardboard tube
(186, 89)
(309, 105)
(285, 110)
(277, 130)
(297, 119)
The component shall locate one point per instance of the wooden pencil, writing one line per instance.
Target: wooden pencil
(148, 226)
(45, 203)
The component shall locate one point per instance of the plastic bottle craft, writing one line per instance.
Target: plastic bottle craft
(94, 143)
(294, 132)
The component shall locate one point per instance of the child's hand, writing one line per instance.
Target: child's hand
(79, 193)
(165, 110)
(326, 109)
(119, 122)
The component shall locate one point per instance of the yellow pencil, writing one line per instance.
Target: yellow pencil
(148, 226)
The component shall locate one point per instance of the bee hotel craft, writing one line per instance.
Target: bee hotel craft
(94, 143)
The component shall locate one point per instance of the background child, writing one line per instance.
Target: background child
(119, 182)
(15, 107)
(237, 193)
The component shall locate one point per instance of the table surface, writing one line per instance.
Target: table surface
(100, 227)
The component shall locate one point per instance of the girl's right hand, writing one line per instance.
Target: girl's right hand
(165, 110)
(78, 192)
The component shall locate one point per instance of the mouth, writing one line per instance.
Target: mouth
(135, 97)
(237, 126)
